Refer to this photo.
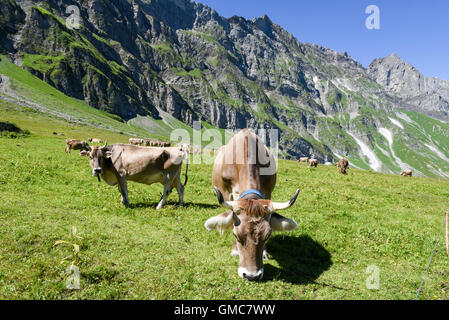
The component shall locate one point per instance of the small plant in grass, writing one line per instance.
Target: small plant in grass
(72, 281)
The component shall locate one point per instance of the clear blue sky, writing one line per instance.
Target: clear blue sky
(417, 31)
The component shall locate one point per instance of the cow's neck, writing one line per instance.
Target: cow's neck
(249, 178)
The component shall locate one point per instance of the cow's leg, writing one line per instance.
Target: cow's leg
(180, 189)
(167, 190)
(123, 188)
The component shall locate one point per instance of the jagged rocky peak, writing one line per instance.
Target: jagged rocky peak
(427, 95)
(265, 24)
(182, 14)
(391, 70)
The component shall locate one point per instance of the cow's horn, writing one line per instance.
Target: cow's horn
(105, 145)
(285, 205)
(221, 200)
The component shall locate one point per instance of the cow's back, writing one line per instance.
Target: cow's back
(145, 165)
(237, 168)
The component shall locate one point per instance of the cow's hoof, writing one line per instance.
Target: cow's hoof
(126, 204)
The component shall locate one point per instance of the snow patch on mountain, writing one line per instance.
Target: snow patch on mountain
(404, 117)
(437, 152)
(389, 136)
(396, 122)
(374, 162)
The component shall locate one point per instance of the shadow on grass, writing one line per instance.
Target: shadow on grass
(171, 204)
(301, 259)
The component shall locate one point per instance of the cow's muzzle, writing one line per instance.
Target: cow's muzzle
(96, 173)
(251, 276)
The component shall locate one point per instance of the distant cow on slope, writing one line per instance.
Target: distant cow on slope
(76, 145)
(135, 141)
(343, 164)
(150, 143)
(165, 144)
(95, 140)
(313, 163)
(303, 159)
(157, 143)
(406, 173)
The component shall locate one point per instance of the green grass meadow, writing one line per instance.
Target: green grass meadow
(346, 224)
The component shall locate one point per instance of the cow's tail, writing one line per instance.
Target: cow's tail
(186, 152)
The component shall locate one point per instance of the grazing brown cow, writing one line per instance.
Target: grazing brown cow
(406, 173)
(303, 159)
(119, 163)
(95, 140)
(244, 176)
(136, 141)
(76, 145)
(165, 144)
(157, 143)
(313, 163)
(343, 164)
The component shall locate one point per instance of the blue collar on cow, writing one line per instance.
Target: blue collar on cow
(251, 191)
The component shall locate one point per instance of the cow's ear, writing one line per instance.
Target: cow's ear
(221, 222)
(108, 154)
(281, 223)
(84, 153)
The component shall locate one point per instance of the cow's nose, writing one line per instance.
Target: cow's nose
(252, 277)
(97, 171)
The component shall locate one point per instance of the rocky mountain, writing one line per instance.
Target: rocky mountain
(427, 95)
(153, 60)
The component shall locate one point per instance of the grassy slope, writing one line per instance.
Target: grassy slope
(346, 223)
(37, 91)
(408, 145)
(426, 130)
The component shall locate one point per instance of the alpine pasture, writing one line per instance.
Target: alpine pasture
(347, 223)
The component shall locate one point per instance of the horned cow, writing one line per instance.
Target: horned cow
(119, 163)
(244, 176)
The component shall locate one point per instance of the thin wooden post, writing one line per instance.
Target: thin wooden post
(447, 234)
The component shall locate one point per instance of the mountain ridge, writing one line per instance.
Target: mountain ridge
(150, 58)
(428, 95)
